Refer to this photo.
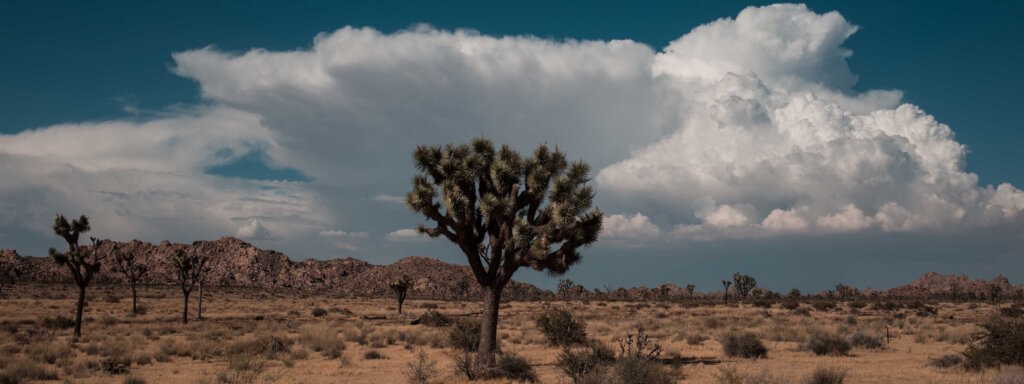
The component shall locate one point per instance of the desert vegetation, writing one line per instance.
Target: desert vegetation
(279, 336)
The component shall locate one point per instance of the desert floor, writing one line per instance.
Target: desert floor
(226, 345)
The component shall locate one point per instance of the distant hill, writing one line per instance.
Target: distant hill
(236, 263)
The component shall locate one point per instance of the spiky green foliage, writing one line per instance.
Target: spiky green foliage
(82, 262)
(401, 288)
(190, 266)
(504, 212)
(131, 269)
(744, 284)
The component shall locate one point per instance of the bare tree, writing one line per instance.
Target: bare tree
(504, 212)
(83, 263)
(132, 270)
(401, 288)
(189, 266)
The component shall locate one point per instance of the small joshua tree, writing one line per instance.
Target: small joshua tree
(565, 288)
(83, 263)
(462, 287)
(504, 212)
(725, 285)
(744, 284)
(132, 270)
(689, 290)
(10, 271)
(401, 288)
(202, 281)
(189, 266)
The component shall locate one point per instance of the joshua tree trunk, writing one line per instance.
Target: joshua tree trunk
(135, 299)
(489, 325)
(184, 314)
(199, 310)
(400, 301)
(78, 312)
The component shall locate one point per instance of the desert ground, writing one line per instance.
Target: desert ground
(297, 337)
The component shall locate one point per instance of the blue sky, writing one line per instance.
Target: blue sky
(74, 63)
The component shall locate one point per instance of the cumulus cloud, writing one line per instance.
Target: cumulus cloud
(404, 235)
(773, 134)
(636, 227)
(254, 230)
(745, 126)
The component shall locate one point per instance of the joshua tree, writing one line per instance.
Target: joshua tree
(401, 288)
(10, 271)
(689, 290)
(462, 287)
(794, 294)
(565, 288)
(504, 212)
(725, 285)
(83, 263)
(133, 272)
(744, 284)
(190, 266)
(202, 281)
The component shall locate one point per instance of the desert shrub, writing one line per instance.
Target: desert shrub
(639, 371)
(514, 367)
(866, 341)
(884, 306)
(433, 318)
(266, 345)
(822, 343)
(319, 312)
(802, 311)
(421, 370)
(745, 345)
(50, 352)
(1000, 342)
(58, 322)
(578, 364)
(763, 377)
(824, 306)
(946, 361)
(132, 380)
(763, 303)
(790, 304)
(323, 339)
(1012, 311)
(465, 335)
(372, 355)
(22, 370)
(561, 328)
(1014, 375)
(114, 365)
(428, 306)
(857, 304)
(696, 339)
(638, 345)
(826, 375)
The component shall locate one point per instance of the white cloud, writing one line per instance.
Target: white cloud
(407, 234)
(636, 227)
(346, 246)
(340, 233)
(746, 126)
(254, 230)
(771, 130)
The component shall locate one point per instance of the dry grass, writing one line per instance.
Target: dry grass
(275, 337)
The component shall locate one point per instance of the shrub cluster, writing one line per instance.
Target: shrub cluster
(822, 343)
(561, 328)
(1001, 342)
(465, 335)
(866, 341)
(745, 345)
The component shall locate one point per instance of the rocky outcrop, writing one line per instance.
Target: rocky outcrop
(236, 263)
